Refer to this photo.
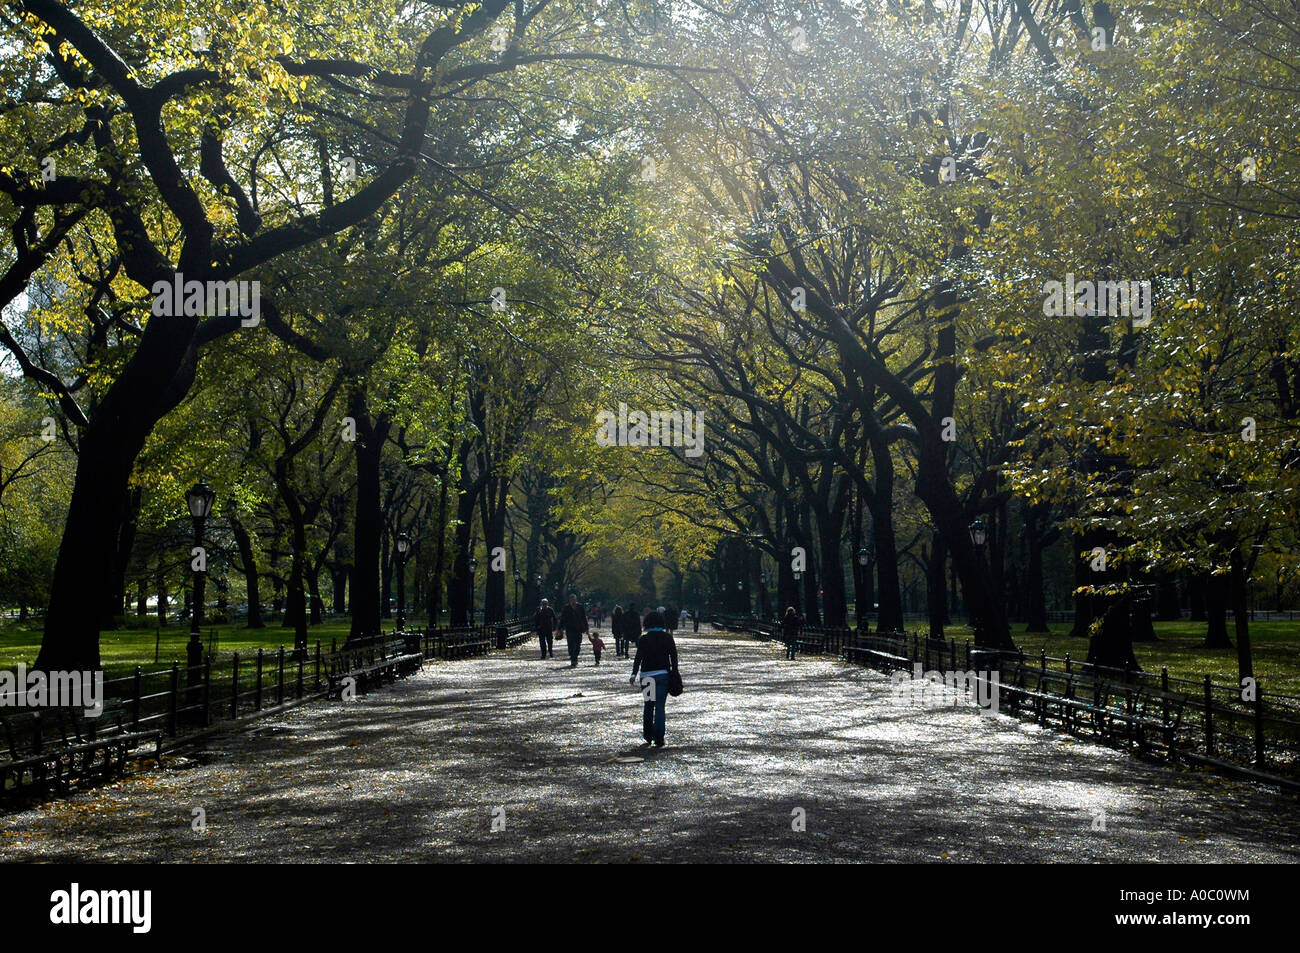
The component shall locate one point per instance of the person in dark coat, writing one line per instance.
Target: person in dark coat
(573, 620)
(790, 627)
(544, 626)
(631, 629)
(616, 629)
(656, 656)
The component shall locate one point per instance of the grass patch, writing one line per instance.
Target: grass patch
(121, 650)
(1275, 649)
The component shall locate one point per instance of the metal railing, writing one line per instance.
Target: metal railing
(182, 702)
(1217, 723)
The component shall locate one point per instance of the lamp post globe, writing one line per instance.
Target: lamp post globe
(978, 536)
(403, 546)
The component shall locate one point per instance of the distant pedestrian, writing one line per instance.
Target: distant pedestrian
(616, 629)
(696, 616)
(656, 656)
(573, 620)
(631, 630)
(682, 619)
(790, 627)
(544, 626)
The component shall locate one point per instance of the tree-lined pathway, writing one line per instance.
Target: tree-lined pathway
(419, 770)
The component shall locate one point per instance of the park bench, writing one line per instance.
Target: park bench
(368, 666)
(519, 638)
(1114, 711)
(810, 644)
(457, 645)
(1142, 712)
(53, 748)
(875, 658)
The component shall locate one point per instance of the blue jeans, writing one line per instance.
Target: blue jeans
(652, 719)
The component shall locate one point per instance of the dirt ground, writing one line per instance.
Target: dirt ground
(512, 758)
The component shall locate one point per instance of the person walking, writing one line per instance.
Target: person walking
(616, 629)
(656, 656)
(597, 645)
(631, 629)
(573, 620)
(544, 626)
(790, 627)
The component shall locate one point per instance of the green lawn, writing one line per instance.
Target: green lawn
(122, 650)
(1275, 647)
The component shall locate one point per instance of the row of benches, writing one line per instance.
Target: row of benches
(52, 749)
(1145, 717)
(82, 749)
(1115, 712)
(364, 667)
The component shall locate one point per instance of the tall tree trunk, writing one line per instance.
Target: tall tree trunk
(1140, 620)
(1216, 611)
(1169, 608)
(313, 588)
(80, 586)
(1037, 604)
(244, 543)
(440, 556)
(160, 583)
(295, 613)
(1241, 617)
(115, 606)
(936, 589)
(460, 593)
(812, 611)
(889, 588)
(495, 497)
(368, 526)
(339, 574)
(830, 532)
(1200, 584)
(388, 565)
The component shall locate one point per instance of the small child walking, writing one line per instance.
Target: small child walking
(597, 645)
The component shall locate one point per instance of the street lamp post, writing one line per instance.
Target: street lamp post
(978, 536)
(473, 568)
(199, 499)
(860, 560)
(403, 545)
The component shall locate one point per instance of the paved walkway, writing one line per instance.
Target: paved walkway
(420, 769)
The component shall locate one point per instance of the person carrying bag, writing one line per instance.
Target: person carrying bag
(656, 660)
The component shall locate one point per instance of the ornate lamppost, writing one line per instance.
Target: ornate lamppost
(403, 546)
(199, 498)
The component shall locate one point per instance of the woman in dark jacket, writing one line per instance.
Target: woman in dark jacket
(790, 626)
(656, 656)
